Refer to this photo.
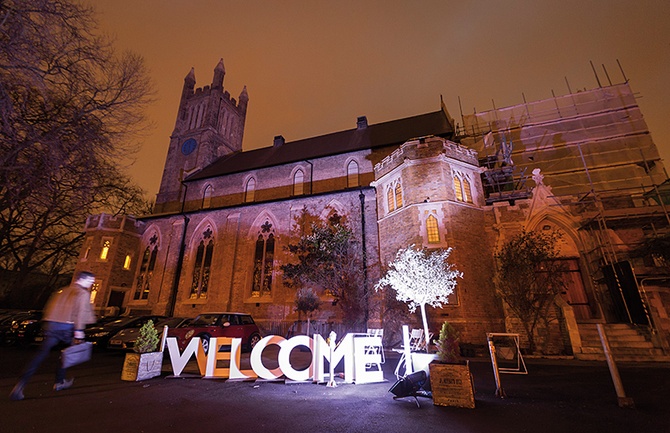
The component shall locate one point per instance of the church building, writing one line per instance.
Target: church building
(582, 164)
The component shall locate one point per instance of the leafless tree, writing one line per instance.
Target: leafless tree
(70, 107)
(529, 277)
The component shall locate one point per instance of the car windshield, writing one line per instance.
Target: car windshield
(170, 322)
(118, 322)
(209, 319)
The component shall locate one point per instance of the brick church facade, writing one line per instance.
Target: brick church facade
(223, 216)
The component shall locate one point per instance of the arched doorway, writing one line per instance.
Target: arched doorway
(575, 292)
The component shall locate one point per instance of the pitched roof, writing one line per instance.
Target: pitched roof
(373, 136)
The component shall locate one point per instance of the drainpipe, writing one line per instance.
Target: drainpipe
(311, 176)
(169, 310)
(361, 196)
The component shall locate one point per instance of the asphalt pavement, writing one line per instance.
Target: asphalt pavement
(564, 396)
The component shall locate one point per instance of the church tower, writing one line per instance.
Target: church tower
(210, 124)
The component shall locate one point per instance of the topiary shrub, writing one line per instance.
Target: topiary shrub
(447, 345)
(147, 341)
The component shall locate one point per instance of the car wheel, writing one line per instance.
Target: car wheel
(253, 340)
(204, 340)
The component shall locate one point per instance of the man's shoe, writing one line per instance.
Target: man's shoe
(17, 393)
(67, 383)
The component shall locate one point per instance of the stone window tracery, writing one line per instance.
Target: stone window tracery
(106, 245)
(147, 265)
(263, 261)
(462, 188)
(202, 265)
(394, 195)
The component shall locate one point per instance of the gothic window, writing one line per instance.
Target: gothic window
(467, 192)
(432, 231)
(394, 196)
(126, 262)
(106, 245)
(201, 114)
(87, 251)
(458, 188)
(352, 174)
(250, 191)
(223, 118)
(390, 198)
(207, 197)
(462, 188)
(298, 182)
(398, 196)
(147, 265)
(202, 266)
(95, 288)
(263, 262)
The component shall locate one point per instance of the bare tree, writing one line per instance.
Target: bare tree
(69, 108)
(529, 278)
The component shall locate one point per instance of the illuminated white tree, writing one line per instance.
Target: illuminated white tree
(421, 278)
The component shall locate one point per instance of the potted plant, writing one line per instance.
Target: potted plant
(450, 378)
(146, 361)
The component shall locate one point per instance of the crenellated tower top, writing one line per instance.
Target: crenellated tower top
(209, 125)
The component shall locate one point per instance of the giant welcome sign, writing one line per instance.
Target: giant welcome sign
(360, 353)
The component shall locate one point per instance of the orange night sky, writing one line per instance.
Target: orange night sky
(312, 67)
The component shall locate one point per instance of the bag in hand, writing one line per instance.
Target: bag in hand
(76, 354)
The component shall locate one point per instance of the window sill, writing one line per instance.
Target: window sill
(267, 299)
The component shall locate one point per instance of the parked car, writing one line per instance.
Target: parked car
(100, 333)
(7, 324)
(125, 338)
(26, 329)
(208, 325)
(39, 336)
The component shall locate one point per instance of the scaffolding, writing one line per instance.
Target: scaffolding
(595, 151)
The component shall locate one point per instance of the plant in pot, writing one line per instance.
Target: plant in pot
(146, 361)
(450, 378)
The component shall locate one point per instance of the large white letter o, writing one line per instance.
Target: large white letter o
(287, 347)
(257, 361)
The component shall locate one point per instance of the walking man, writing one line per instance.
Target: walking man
(66, 314)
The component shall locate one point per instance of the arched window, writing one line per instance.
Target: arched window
(87, 251)
(390, 199)
(106, 245)
(467, 192)
(458, 188)
(202, 266)
(143, 282)
(250, 190)
(207, 197)
(298, 182)
(263, 262)
(352, 175)
(398, 195)
(432, 231)
(95, 288)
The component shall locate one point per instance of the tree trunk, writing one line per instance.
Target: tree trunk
(425, 325)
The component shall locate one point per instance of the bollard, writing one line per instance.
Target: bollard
(625, 402)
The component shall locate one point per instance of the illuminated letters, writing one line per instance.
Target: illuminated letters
(353, 349)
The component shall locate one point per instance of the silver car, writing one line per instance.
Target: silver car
(125, 338)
